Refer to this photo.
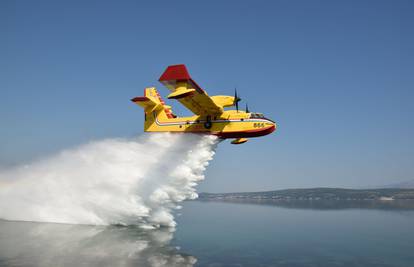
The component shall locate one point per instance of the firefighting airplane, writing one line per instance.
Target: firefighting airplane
(210, 116)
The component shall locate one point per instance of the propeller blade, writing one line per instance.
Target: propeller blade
(237, 99)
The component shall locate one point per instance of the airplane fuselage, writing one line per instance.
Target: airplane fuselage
(229, 124)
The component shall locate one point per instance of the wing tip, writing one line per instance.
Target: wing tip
(175, 72)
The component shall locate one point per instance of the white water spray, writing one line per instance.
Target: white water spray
(114, 181)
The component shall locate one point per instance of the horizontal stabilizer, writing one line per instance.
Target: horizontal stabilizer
(150, 101)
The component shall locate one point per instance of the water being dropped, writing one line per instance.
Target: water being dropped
(113, 181)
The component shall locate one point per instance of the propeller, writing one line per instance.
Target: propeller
(236, 100)
(247, 109)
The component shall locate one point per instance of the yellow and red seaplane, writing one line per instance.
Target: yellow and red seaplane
(210, 116)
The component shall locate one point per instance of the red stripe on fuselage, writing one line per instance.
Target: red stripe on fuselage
(247, 133)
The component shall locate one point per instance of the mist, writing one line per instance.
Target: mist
(138, 181)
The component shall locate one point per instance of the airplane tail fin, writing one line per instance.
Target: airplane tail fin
(154, 107)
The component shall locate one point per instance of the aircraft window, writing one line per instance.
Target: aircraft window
(256, 115)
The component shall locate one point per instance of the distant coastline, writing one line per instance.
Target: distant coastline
(392, 199)
(316, 194)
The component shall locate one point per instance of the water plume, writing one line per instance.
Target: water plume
(114, 181)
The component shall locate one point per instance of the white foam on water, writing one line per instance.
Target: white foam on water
(113, 181)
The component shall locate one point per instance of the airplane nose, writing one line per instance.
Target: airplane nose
(271, 127)
(273, 124)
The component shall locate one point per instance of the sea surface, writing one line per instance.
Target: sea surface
(211, 233)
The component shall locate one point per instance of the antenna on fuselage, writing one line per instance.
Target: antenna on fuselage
(247, 109)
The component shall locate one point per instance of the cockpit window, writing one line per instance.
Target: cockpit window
(256, 115)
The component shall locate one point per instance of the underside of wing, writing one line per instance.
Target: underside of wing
(189, 93)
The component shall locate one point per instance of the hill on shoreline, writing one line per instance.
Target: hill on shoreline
(382, 194)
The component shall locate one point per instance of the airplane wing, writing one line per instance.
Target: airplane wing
(189, 93)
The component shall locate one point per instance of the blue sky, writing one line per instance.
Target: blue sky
(337, 77)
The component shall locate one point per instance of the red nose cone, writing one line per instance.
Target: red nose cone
(271, 129)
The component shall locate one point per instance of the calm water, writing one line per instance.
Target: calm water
(226, 234)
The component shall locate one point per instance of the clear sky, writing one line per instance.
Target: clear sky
(337, 77)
